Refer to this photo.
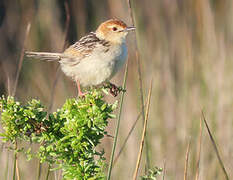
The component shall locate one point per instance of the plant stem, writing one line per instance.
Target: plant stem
(140, 85)
(143, 134)
(215, 147)
(118, 123)
(186, 161)
(15, 170)
(47, 175)
(127, 137)
(15, 156)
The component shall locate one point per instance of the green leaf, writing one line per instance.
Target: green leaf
(67, 138)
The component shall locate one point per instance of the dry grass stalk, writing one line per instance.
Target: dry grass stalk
(140, 81)
(186, 161)
(143, 133)
(127, 137)
(17, 169)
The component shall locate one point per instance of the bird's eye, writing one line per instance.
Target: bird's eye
(114, 29)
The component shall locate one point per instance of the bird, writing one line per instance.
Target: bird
(95, 58)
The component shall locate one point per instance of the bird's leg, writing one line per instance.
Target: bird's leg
(113, 89)
(80, 93)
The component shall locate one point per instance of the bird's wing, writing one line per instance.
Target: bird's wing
(83, 48)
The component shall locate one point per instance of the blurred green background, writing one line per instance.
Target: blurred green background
(185, 46)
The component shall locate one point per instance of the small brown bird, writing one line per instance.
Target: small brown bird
(96, 57)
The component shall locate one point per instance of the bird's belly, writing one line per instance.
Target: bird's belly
(96, 70)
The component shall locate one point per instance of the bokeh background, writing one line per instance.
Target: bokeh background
(186, 47)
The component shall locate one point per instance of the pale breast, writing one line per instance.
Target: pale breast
(100, 66)
(120, 59)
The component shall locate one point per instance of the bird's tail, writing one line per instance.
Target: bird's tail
(44, 55)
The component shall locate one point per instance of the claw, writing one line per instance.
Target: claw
(113, 89)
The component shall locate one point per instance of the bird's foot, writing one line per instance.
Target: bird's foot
(113, 89)
(80, 93)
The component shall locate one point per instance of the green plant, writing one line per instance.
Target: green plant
(67, 138)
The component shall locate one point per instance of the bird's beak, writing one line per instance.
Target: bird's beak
(130, 29)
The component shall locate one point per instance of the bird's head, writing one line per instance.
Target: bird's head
(113, 30)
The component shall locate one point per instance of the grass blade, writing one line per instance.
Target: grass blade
(215, 147)
(126, 139)
(118, 123)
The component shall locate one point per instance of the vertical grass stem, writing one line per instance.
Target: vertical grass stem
(118, 124)
(140, 85)
(143, 133)
(215, 147)
(186, 161)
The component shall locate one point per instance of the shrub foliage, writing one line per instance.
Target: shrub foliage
(67, 138)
